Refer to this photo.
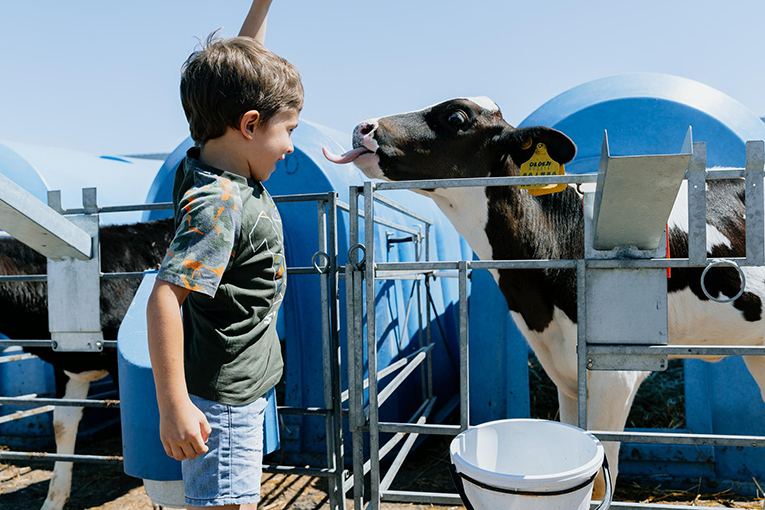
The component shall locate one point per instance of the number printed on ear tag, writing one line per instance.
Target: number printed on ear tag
(542, 164)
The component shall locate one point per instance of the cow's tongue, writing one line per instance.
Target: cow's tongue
(348, 157)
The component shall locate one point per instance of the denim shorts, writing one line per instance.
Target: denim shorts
(230, 472)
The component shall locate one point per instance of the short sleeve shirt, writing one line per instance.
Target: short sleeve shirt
(228, 250)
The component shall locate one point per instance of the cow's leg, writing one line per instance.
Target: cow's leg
(65, 423)
(609, 398)
(756, 366)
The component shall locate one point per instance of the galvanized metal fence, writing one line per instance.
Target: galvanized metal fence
(324, 263)
(361, 275)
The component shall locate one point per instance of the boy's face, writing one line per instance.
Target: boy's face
(270, 143)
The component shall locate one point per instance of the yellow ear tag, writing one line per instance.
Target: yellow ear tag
(542, 164)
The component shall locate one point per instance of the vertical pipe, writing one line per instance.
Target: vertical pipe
(427, 307)
(374, 433)
(326, 352)
(428, 335)
(334, 341)
(463, 343)
(755, 222)
(581, 344)
(355, 390)
(355, 352)
(697, 205)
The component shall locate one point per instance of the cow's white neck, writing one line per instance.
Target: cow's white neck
(468, 210)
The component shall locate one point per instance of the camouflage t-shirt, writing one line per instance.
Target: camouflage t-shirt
(228, 250)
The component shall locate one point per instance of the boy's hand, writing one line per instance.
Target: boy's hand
(184, 430)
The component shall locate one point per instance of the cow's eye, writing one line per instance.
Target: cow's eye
(457, 119)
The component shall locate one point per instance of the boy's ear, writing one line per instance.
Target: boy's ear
(248, 123)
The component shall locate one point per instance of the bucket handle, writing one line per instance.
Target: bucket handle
(605, 504)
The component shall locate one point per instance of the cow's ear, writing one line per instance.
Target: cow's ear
(519, 144)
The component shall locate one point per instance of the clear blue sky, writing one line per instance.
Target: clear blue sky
(102, 76)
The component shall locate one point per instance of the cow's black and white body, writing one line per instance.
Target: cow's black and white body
(25, 316)
(468, 138)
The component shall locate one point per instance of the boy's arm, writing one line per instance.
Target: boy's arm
(255, 23)
(183, 427)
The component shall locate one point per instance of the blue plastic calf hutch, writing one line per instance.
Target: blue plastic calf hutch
(307, 171)
(647, 114)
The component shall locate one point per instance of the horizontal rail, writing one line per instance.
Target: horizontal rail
(111, 344)
(442, 430)
(306, 411)
(393, 367)
(17, 357)
(396, 206)
(381, 221)
(18, 415)
(434, 498)
(300, 471)
(125, 275)
(308, 197)
(685, 439)
(55, 457)
(487, 181)
(58, 402)
(677, 350)
(728, 173)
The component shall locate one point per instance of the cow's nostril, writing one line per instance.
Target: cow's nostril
(366, 128)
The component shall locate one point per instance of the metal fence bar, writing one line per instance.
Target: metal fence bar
(755, 201)
(581, 346)
(390, 369)
(488, 181)
(677, 438)
(399, 379)
(335, 350)
(59, 402)
(678, 350)
(697, 205)
(45, 343)
(463, 346)
(18, 415)
(374, 433)
(400, 208)
(326, 354)
(16, 357)
(426, 428)
(55, 457)
(300, 471)
(433, 498)
(405, 449)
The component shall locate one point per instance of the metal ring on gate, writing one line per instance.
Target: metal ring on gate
(720, 263)
(357, 265)
(316, 265)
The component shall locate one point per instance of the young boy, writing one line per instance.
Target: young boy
(225, 267)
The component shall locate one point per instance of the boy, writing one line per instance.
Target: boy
(225, 267)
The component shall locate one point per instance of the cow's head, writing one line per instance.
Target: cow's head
(464, 137)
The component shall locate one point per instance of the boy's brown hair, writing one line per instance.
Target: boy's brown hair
(229, 77)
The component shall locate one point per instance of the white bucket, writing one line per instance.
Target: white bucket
(527, 465)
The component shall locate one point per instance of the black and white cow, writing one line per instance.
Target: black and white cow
(25, 316)
(468, 138)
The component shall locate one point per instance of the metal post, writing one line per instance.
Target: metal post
(697, 205)
(463, 342)
(326, 354)
(755, 222)
(374, 433)
(336, 353)
(581, 344)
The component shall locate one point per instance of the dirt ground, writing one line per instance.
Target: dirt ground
(99, 487)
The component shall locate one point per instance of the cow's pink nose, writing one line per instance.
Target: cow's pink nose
(366, 127)
(363, 130)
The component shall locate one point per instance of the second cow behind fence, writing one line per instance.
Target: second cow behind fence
(124, 248)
